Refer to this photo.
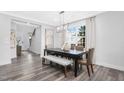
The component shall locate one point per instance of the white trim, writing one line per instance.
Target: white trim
(25, 18)
(5, 63)
(121, 68)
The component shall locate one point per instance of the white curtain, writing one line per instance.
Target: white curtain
(91, 34)
(60, 38)
(49, 38)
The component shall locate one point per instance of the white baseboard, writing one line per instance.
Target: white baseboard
(5, 63)
(121, 68)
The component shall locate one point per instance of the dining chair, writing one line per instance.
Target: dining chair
(80, 48)
(88, 61)
(72, 46)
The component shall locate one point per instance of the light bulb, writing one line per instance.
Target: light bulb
(58, 28)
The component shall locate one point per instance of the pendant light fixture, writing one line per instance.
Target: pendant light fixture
(61, 21)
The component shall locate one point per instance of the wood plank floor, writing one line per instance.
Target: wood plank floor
(28, 67)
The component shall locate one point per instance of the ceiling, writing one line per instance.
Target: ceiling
(52, 17)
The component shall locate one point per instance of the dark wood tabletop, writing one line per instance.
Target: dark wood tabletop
(74, 54)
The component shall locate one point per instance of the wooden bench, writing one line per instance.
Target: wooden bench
(61, 61)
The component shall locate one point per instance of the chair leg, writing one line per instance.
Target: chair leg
(65, 71)
(88, 70)
(92, 68)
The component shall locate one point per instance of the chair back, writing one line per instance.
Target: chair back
(80, 48)
(90, 56)
(72, 46)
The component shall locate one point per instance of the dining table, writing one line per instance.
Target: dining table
(72, 54)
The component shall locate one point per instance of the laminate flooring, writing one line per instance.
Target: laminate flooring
(28, 67)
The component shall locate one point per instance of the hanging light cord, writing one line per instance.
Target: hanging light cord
(62, 19)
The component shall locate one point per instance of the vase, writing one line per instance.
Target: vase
(18, 50)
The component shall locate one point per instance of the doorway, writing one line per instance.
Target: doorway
(27, 39)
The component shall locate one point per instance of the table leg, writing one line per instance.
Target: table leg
(44, 52)
(43, 60)
(76, 67)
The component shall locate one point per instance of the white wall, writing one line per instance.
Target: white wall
(4, 40)
(110, 39)
(36, 42)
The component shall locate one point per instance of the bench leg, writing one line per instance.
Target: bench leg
(51, 63)
(43, 61)
(65, 71)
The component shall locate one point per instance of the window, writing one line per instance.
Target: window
(76, 33)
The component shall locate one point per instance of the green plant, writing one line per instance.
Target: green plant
(81, 34)
(82, 31)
